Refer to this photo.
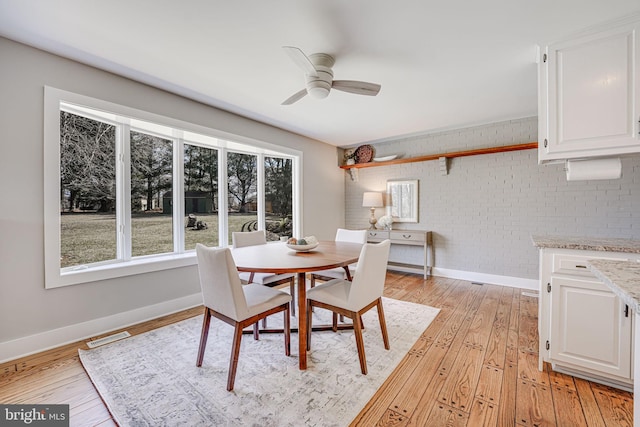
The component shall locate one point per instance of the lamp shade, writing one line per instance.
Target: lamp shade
(372, 199)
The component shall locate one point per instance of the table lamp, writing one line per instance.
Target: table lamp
(372, 200)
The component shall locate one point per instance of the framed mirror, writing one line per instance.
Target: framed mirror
(402, 200)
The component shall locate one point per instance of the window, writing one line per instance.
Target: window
(88, 186)
(278, 175)
(128, 192)
(242, 177)
(200, 196)
(151, 180)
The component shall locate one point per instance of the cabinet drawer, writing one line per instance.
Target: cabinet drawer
(575, 264)
(407, 236)
(377, 236)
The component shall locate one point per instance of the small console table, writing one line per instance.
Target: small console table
(407, 237)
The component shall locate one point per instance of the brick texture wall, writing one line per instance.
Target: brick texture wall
(484, 211)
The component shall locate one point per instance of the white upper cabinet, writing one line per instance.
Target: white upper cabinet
(589, 94)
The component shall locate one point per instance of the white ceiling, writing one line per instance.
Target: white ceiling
(441, 64)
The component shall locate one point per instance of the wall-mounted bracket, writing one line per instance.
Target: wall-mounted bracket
(444, 165)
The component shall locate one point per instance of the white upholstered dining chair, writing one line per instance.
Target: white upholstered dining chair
(342, 235)
(354, 298)
(225, 298)
(251, 238)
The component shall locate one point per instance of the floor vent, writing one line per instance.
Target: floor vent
(109, 339)
(477, 283)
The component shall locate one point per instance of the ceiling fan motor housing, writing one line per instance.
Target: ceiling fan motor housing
(320, 85)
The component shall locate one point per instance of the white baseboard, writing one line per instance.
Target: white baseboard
(11, 350)
(514, 282)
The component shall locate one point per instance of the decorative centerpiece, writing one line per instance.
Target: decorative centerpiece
(349, 157)
(364, 153)
(304, 244)
(385, 222)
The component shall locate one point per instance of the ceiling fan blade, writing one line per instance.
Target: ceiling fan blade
(295, 97)
(301, 60)
(353, 86)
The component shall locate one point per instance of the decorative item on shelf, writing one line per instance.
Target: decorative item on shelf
(349, 157)
(372, 200)
(385, 158)
(386, 221)
(364, 154)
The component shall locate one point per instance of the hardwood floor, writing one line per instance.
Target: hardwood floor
(475, 365)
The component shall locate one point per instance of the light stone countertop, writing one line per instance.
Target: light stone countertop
(623, 277)
(587, 243)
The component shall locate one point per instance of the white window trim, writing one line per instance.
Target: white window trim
(54, 278)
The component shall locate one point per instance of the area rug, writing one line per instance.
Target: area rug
(151, 379)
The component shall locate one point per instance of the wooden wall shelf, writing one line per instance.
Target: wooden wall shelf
(491, 150)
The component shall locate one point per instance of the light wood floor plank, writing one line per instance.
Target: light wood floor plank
(481, 326)
(443, 415)
(489, 384)
(535, 405)
(428, 401)
(588, 402)
(497, 344)
(408, 397)
(459, 389)
(528, 334)
(528, 369)
(508, 403)
(375, 409)
(616, 407)
(568, 409)
(483, 413)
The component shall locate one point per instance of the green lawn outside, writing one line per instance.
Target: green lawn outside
(90, 237)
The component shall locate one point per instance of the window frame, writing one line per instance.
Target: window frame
(56, 277)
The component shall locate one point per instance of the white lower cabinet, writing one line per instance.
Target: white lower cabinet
(591, 327)
(585, 329)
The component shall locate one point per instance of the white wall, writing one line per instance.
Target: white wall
(485, 210)
(32, 318)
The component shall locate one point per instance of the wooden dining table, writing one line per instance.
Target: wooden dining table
(278, 258)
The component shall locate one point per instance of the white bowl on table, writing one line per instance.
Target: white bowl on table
(302, 248)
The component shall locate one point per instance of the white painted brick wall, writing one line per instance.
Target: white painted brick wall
(485, 210)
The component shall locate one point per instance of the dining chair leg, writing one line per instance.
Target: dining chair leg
(235, 353)
(383, 324)
(203, 336)
(335, 322)
(292, 291)
(256, 331)
(309, 323)
(287, 332)
(357, 329)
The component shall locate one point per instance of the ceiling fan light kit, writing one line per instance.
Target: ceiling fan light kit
(318, 73)
(319, 85)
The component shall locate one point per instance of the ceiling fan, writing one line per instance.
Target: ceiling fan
(319, 77)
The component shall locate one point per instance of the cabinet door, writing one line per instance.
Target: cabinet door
(589, 95)
(590, 327)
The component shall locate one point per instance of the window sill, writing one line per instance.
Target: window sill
(123, 269)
